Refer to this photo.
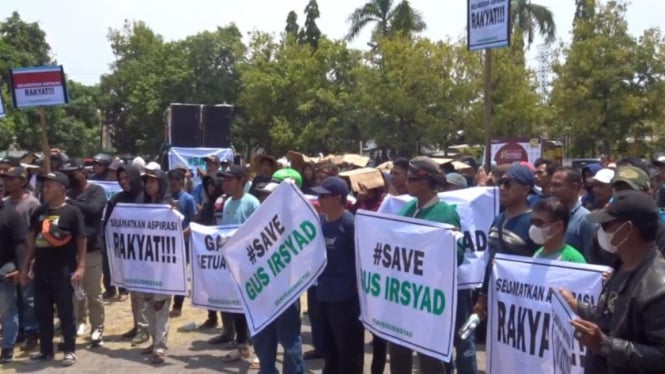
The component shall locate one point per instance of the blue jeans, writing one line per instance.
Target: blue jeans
(8, 314)
(286, 331)
(26, 312)
(465, 350)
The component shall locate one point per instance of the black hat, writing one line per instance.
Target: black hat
(425, 167)
(234, 171)
(75, 164)
(15, 172)
(629, 205)
(332, 186)
(55, 176)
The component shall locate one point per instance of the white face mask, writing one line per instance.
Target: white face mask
(605, 239)
(539, 235)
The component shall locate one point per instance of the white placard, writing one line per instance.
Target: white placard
(488, 24)
(38, 86)
(562, 335)
(276, 255)
(520, 311)
(407, 271)
(476, 207)
(213, 287)
(146, 249)
(193, 158)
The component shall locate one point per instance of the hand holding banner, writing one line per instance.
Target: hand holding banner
(146, 249)
(212, 285)
(276, 255)
(407, 271)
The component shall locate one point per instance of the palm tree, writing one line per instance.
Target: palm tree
(389, 20)
(532, 18)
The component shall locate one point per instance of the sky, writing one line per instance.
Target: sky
(77, 29)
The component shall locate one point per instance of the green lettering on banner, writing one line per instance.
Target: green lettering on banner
(407, 293)
(257, 283)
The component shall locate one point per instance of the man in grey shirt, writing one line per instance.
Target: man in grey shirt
(24, 203)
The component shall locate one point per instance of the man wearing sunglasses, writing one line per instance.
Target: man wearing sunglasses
(509, 232)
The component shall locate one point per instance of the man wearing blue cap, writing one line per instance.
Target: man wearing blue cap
(509, 232)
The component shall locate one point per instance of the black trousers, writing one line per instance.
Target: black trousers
(235, 326)
(55, 289)
(379, 354)
(343, 337)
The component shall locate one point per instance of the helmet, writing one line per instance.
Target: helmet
(103, 159)
(287, 173)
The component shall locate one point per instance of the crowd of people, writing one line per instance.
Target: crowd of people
(53, 256)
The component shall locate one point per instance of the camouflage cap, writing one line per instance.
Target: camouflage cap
(633, 176)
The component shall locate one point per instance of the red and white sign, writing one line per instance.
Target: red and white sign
(508, 151)
(39, 86)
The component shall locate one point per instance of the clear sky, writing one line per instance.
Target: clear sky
(77, 29)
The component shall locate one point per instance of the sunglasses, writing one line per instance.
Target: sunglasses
(506, 182)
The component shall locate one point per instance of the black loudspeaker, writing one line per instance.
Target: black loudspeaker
(185, 125)
(217, 125)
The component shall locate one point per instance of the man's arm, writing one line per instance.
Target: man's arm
(79, 232)
(29, 256)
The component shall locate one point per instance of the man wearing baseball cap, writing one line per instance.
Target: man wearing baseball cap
(57, 244)
(602, 188)
(626, 330)
(341, 330)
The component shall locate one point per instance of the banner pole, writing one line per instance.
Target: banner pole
(44, 140)
(487, 116)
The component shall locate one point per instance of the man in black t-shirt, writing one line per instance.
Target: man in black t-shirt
(57, 244)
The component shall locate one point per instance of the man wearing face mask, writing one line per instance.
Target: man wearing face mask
(549, 221)
(90, 199)
(625, 332)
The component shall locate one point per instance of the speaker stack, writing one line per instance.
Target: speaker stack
(196, 125)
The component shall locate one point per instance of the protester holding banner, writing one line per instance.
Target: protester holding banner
(509, 233)
(342, 332)
(13, 231)
(15, 180)
(566, 185)
(626, 330)
(237, 208)
(423, 178)
(549, 221)
(91, 200)
(129, 178)
(285, 329)
(187, 206)
(212, 187)
(156, 306)
(57, 243)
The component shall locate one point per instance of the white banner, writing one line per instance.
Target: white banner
(562, 335)
(276, 255)
(193, 158)
(520, 311)
(38, 86)
(488, 24)
(407, 281)
(477, 207)
(146, 249)
(213, 287)
(110, 187)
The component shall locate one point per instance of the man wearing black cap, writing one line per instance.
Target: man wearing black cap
(24, 203)
(100, 167)
(423, 179)
(625, 332)
(91, 200)
(57, 244)
(341, 330)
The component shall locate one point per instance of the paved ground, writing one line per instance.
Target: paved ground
(188, 350)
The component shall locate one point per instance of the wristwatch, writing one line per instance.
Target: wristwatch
(605, 346)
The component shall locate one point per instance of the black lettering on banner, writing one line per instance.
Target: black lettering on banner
(214, 243)
(488, 17)
(145, 248)
(480, 242)
(211, 262)
(43, 91)
(523, 328)
(143, 224)
(399, 258)
(268, 236)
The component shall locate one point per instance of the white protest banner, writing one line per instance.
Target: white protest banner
(488, 24)
(38, 86)
(213, 287)
(276, 255)
(477, 207)
(520, 313)
(407, 281)
(193, 158)
(562, 335)
(146, 249)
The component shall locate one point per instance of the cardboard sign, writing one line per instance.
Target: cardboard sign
(369, 177)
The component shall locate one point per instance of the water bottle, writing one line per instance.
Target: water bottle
(469, 326)
(79, 292)
(188, 327)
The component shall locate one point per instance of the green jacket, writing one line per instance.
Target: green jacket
(439, 212)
